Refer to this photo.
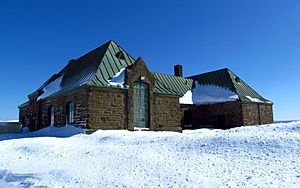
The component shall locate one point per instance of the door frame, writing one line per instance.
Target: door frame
(146, 105)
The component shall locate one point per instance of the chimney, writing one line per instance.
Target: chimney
(178, 70)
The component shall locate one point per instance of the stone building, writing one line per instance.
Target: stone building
(108, 89)
(220, 99)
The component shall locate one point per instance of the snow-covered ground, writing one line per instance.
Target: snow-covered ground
(256, 156)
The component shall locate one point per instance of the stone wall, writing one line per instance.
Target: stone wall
(266, 113)
(25, 115)
(220, 115)
(257, 113)
(107, 109)
(227, 115)
(80, 99)
(37, 113)
(167, 113)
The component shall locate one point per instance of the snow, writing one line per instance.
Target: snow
(254, 99)
(208, 94)
(186, 98)
(118, 79)
(10, 121)
(254, 156)
(51, 88)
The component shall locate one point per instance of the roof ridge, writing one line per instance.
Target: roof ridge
(92, 51)
(223, 69)
(228, 71)
(112, 41)
(172, 75)
(244, 84)
(110, 64)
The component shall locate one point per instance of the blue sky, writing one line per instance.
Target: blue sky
(257, 40)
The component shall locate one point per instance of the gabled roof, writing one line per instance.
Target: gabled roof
(171, 85)
(227, 79)
(94, 68)
(97, 67)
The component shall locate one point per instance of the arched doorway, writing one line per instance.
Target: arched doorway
(141, 105)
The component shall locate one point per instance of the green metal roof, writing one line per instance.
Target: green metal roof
(227, 79)
(94, 68)
(100, 65)
(171, 85)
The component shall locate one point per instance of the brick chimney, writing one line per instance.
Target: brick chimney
(178, 70)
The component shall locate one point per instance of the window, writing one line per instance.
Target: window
(51, 115)
(70, 113)
(120, 55)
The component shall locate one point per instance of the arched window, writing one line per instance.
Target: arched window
(70, 113)
(51, 115)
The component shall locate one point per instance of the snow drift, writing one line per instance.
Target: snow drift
(264, 156)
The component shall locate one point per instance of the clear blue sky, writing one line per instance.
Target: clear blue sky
(258, 40)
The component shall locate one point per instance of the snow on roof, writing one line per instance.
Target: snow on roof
(208, 94)
(118, 79)
(254, 99)
(186, 98)
(51, 88)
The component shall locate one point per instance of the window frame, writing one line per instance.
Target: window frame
(70, 110)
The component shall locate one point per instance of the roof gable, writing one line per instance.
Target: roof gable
(94, 68)
(114, 60)
(227, 79)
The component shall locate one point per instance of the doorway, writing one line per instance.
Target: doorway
(141, 105)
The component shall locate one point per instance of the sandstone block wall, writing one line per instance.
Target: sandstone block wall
(220, 115)
(167, 113)
(227, 115)
(80, 99)
(107, 109)
(25, 115)
(36, 114)
(257, 113)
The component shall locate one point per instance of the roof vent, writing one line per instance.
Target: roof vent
(120, 55)
(237, 79)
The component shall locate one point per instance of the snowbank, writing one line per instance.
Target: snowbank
(50, 131)
(256, 156)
